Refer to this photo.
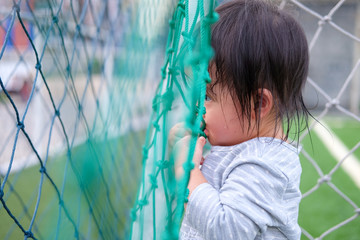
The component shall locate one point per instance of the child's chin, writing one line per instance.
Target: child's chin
(211, 142)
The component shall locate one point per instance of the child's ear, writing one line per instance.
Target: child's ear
(263, 103)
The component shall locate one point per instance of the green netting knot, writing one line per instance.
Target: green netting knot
(143, 202)
(202, 134)
(78, 28)
(168, 98)
(55, 19)
(211, 18)
(169, 50)
(162, 164)
(42, 170)
(38, 66)
(172, 23)
(173, 71)
(153, 181)
(203, 124)
(155, 103)
(21, 125)
(163, 72)
(196, 109)
(188, 166)
(202, 127)
(1, 194)
(61, 202)
(156, 126)
(187, 36)
(57, 113)
(207, 77)
(133, 214)
(187, 192)
(207, 53)
(16, 8)
(28, 234)
(145, 152)
(181, 8)
(181, 5)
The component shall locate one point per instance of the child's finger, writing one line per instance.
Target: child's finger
(176, 133)
(199, 151)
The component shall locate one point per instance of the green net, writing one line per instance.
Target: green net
(71, 77)
(183, 85)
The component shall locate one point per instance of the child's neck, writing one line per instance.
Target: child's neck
(271, 129)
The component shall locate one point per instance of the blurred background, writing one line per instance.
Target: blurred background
(78, 79)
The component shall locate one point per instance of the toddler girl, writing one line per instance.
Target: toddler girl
(248, 185)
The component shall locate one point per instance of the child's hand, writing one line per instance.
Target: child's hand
(179, 140)
(176, 133)
(181, 149)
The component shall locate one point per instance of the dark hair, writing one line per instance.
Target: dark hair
(257, 46)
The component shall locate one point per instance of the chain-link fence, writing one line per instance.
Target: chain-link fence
(331, 166)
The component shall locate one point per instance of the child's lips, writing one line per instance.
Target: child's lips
(206, 132)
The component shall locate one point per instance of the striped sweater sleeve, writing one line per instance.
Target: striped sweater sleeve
(250, 199)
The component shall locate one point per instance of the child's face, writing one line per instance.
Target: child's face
(223, 125)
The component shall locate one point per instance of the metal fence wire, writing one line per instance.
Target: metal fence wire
(78, 81)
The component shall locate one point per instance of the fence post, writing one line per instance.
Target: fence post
(355, 83)
(39, 116)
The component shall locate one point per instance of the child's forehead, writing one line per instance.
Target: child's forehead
(211, 87)
(212, 73)
(215, 89)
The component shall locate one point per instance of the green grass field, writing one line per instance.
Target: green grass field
(318, 212)
(120, 173)
(325, 208)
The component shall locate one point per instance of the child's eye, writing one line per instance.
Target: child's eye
(207, 98)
